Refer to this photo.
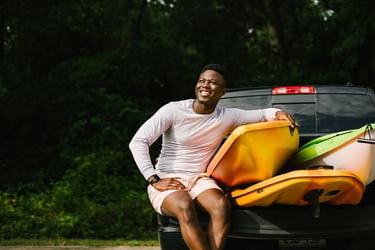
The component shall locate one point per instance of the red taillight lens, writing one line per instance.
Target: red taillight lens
(287, 90)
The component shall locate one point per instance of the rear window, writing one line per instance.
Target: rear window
(317, 114)
(336, 112)
(304, 114)
(247, 102)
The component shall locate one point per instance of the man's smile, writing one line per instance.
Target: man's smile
(205, 93)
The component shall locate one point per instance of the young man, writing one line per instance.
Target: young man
(192, 131)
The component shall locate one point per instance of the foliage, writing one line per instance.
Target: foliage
(92, 201)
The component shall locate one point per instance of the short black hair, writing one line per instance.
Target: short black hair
(218, 68)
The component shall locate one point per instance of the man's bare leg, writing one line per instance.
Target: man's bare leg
(180, 205)
(218, 207)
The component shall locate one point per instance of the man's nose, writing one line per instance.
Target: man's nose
(206, 83)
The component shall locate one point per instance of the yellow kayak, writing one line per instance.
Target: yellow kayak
(337, 187)
(253, 153)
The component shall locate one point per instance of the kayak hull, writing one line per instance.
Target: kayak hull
(337, 187)
(343, 150)
(253, 153)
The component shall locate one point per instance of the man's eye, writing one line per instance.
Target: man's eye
(209, 81)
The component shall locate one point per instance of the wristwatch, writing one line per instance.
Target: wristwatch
(153, 179)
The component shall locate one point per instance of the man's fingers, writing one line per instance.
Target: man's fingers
(168, 184)
(291, 120)
(175, 184)
(281, 115)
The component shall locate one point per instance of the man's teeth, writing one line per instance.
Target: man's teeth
(205, 93)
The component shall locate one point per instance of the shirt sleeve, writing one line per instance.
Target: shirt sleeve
(241, 117)
(146, 135)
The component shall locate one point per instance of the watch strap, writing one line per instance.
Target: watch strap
(153, 179)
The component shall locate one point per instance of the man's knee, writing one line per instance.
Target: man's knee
(185, 210)
(184, 205)
(221, 207)
(181, 205)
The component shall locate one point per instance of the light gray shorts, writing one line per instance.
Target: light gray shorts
(196, 187)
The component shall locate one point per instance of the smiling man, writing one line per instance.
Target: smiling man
(192, 131)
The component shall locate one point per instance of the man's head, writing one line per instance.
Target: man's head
(211, 84)
(218, 68)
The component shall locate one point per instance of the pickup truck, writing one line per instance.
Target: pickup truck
(320, 110)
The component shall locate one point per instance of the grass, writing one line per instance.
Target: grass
(77, 242)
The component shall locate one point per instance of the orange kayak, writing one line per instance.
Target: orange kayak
(253, 153)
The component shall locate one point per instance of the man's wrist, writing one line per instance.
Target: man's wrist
(153, 179)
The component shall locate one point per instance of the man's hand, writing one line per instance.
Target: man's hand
(281, 115)
(168, 184)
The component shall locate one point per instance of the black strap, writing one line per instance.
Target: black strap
(367, 131)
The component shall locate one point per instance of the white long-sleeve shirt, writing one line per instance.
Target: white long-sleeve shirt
(189, 139)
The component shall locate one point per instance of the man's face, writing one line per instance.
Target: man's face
(210, 87)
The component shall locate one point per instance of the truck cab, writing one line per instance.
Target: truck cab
(319, 110)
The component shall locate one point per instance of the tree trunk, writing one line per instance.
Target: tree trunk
(135, 23)
(2, 32)
(275, 28)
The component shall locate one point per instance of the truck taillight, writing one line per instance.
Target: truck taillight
(287, 90)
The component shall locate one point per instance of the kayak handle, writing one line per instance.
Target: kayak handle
(368, 141)
(312, 198)
(312, 167)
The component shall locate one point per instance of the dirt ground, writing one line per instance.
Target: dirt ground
(77, 248)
